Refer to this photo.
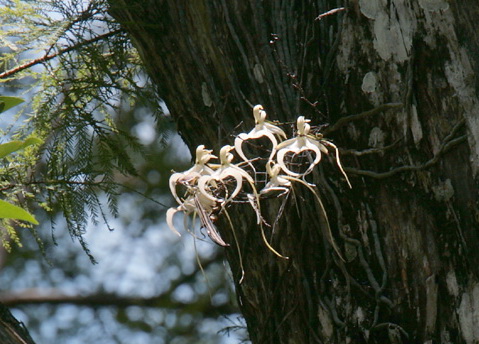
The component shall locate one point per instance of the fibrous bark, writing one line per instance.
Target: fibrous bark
(11, 330)
(409, 227)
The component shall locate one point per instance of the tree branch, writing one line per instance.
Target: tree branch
(344, 120)
(48, 57)
(447, 144)
(11, 330)
(35, 296)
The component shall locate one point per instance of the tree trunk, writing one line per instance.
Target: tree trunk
(12, 331)
(408, 229)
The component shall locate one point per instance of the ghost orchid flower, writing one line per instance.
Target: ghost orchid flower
(193, 201)
(276, 182)
(189, 177)
(301, 143)
(262, 128)
(225, 171)
(197, 204)
(187, 207)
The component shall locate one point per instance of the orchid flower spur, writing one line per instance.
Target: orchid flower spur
(262, 128)
(301, 143)
(284, 183)
(325, 221)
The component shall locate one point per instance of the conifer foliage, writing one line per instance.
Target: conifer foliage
(78, 72)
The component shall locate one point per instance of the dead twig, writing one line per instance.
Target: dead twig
(333, 11)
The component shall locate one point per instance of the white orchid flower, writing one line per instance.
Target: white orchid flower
(306, 142)
(276, 181)
(192, 201)
(225, 171)
(187, 207)
(203, 156)
(262, 128)
(301, 143)
(196, 204)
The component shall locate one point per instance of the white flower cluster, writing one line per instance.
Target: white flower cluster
(203, 186)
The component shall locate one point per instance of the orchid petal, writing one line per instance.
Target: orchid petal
(182, 178)
(203, 155)
(301, 143)
(275, 130)
(239, 144)
(172, 182)
(204, 181)
(273, 140)
(169, 219)
(200, 168)
(258, 112)
(254, 134)
(261, 129)
(223, 172)
(286, 143)
(322, 147)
